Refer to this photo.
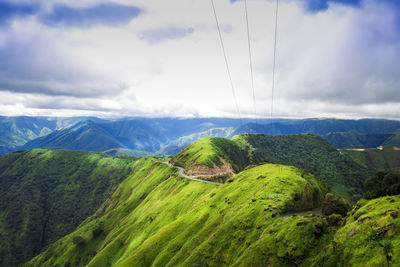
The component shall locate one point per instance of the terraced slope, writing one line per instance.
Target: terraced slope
(156, 218)
(45, 194)
(310, 152)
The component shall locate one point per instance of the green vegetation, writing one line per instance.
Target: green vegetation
(157, 218)
(370, 237)
(383, 183)
(209, 151)
(344, 176)
(359, 140)
(335, 205)
(146, 214)
(387, 158)
(45, 194)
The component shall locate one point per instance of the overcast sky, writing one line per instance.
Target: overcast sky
(338, 58)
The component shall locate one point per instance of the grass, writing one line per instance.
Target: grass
(160, 221)
(361, 241)
(343, 175)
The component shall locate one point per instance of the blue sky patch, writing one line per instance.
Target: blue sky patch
(9, 11)
(102, 14)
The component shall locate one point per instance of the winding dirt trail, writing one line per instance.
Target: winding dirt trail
(181, 170)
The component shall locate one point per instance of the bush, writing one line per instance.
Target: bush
(97, 231)
(79, 241)
(334, 205)
(383, 183)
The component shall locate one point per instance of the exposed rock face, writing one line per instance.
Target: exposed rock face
(206, 172)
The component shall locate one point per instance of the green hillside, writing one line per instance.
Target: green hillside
(45, 194)
(358, 140)
(369, 237)
(158, 218)
(344, 176)
(384, 158)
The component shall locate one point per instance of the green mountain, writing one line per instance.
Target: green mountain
(156, 218)
(263, 216)
(343, 175)
(378, 159)
(45, 194)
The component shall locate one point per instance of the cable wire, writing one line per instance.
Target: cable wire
(274, 62)
(250, 61)
(226, 62)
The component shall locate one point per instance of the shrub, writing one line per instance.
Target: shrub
(97, 231)
(334, 204)
(79, 241)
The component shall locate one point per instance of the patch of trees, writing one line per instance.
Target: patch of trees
(383, 183)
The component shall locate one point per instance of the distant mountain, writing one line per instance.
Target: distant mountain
(16, 131)
(323, 126)
(169, 135)
(86, 135)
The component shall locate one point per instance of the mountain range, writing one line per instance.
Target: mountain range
(167, 136)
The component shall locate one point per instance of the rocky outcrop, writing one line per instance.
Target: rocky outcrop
(216, 171)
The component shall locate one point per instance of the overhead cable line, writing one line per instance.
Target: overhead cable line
(250, 61)
(226, 61)
(274, 62)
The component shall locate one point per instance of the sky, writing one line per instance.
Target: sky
(153, 58)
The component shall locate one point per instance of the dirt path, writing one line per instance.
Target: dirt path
(301, 213)
(181, 170)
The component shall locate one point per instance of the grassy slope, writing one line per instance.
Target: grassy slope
(45, 194)
(361, 241)
(156, 218)
(306, 151)
(386, 159)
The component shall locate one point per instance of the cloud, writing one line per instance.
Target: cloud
(162, 34)
(101, 14)
(338, 60)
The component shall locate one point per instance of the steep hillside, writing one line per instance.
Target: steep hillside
(157, 218)
(370, 236)
(356, 140)
(86, 135)
(45, 194)
(309, 152)
(382, 158)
